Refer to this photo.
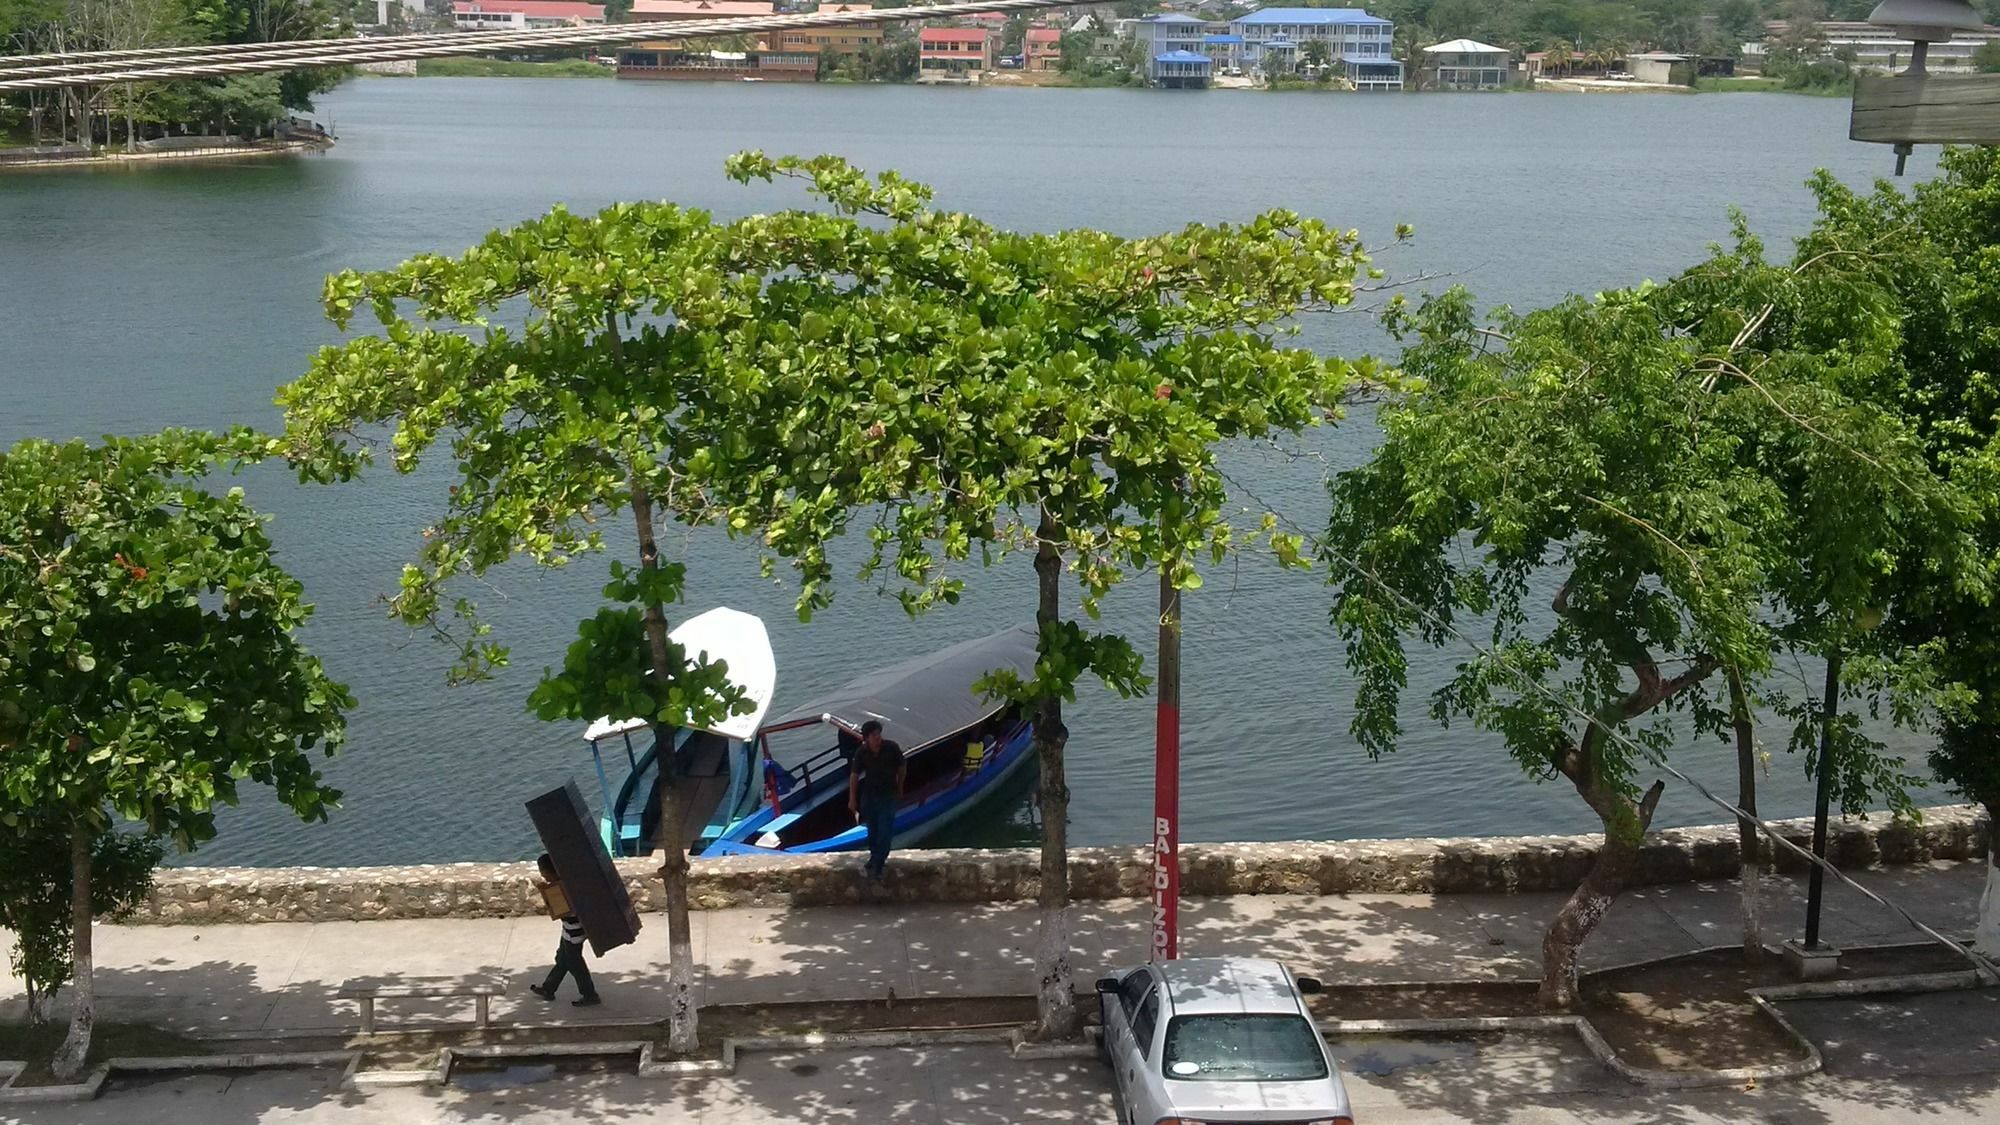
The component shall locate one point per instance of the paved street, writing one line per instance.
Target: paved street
(1933, 1059)
(1524, 1079)
(282, 976)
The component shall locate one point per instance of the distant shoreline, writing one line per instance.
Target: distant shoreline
(582, 68)
(114, 159)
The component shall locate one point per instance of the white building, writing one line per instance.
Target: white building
(1345, 31)
(520, 15)
(1880, 47)
(1467, 64)
(1361, 46)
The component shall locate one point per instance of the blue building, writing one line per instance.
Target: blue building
(1179, 70)
(1360, 44)
(1224, 51)
(1162, 40)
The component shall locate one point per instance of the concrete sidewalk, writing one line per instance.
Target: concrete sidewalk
(282, 976)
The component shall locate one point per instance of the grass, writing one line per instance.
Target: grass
(1758, 84)
(509, 68)
(37, 1045)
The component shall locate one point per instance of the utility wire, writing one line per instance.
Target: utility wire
(1988, 972)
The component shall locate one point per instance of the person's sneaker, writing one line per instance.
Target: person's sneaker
(541, 992)
(586, 1002)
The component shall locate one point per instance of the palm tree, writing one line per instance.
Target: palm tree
(1556, 57)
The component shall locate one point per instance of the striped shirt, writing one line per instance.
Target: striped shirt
(572, 930)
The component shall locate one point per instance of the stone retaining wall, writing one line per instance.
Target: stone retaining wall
(1441, 865)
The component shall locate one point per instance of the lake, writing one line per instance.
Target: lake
(185, 295)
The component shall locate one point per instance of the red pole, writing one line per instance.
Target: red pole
(1167, 778)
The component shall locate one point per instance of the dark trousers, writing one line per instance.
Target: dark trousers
(569, 962)
(879, 815)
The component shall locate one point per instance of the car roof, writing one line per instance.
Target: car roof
(1202, 986)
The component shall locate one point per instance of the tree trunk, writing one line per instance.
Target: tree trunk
(1986, 932)
(1625, 824)
(1055, 990)
(38, 1004)
(67, 1065)
(681, 1029)
(1749, 841)
(681, 1016)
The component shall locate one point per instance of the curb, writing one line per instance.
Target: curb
(72, 1092)
(1014, 1037)
(1870, 986)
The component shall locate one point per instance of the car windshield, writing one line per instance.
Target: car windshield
(1242, 1049)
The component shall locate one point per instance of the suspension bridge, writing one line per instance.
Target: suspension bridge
(97, 68)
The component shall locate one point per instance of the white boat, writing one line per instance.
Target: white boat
(718, 767)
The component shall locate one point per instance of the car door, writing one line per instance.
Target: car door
(1146, 1086)
(1126, 1062)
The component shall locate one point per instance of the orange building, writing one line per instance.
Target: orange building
(1041, 49)
(850, 39)
(953, 54)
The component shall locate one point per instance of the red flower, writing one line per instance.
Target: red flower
(1164, 390)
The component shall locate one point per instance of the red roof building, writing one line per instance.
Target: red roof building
(953, 54)
(1041, 49)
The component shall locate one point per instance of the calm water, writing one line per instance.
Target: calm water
(185, 295)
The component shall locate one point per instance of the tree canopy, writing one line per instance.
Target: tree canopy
(149, 654)
(1689, 478)
(147, 637)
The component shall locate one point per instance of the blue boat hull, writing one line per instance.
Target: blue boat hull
(915, 821)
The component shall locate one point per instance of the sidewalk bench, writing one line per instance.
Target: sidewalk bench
(366, 992)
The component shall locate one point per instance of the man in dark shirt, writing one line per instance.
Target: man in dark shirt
(874, 789)
(569, 951)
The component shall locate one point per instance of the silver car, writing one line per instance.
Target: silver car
(1218, 1039)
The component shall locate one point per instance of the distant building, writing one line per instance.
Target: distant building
(1178, 70)
(1467, 64)
(953, 54)
(1363, 43)
(680, 11)
(1160, 34)
(520, 15)
(1225, 50)
(1041, 49)
(689, 60)
(1876, 46)
(849, 39)
(667, 61)
(1654, 67)
(1372, 73)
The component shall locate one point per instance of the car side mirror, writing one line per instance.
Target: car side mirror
(1107, 985)
(1311, 986)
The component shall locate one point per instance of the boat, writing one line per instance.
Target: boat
(960, 747)
(717, 764)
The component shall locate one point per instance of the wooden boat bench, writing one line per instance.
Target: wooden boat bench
(366, 991)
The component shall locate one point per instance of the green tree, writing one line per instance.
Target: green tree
(1683, 474)
(669, 366)
(1987, 57)
(1935, 251)
(1315, 53)
(36, 897)
(150, 661)
(1082, 384)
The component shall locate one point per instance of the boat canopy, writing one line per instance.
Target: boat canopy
(731, 636)
(925, 698)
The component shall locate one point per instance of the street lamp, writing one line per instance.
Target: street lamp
(1910, 108)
